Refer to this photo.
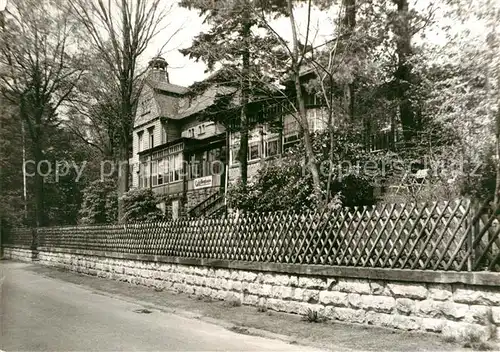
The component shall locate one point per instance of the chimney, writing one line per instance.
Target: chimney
(158, 69)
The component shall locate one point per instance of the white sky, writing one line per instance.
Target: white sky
(184, 71)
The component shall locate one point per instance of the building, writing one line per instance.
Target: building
(271, 135)
(175, 152)
(188, 159)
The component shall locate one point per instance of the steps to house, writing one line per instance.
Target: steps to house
(211, 206)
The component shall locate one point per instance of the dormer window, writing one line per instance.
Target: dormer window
(201, 129)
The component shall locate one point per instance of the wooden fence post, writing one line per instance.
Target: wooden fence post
(470, 236)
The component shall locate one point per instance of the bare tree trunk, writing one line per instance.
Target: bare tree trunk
(496, 200)
(349, 23)
(126, 97)
(35, 129)
(403, 72)
(331, 134)
(243, 152)
(311, 159)
(39, 191)
(140, 22)
(122, 180)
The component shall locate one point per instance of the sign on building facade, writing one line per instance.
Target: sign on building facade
(202, 182)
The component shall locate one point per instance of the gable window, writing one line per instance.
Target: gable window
(151, 137)
(146, 106)
(201, 129)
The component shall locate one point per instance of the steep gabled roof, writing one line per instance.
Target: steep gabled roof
(204, 100)
(168, 106)
(167, 87)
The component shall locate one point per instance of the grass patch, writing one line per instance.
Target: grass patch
(239, 330)
(232, 301)
(261, 308)
(312, 316)
(470, 339)
(450, 339)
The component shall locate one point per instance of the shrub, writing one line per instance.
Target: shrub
(140, 205)
(355, 190)
(313, 316)
(286, 183)
(100, 203)
(261, 308)
(275, 187)
(480, 183)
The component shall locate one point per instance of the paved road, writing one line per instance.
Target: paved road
(43, 314)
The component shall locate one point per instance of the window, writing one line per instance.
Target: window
(235, 149)
(194, 167)
(165, 170)
(151, 137)
(141, 175)
(316, 119)
(170, 168)
(178, 166)
(160, 171)
(213, 162)
(201, 129)
(311, 99)
(145, 105)
(154, 173)
(253, 151)
(382, 140)
(290, 126)
(271, 148)
(216, 168)
(173, 165)
(163, 133)
(290, 132)
(140, 141)
(145, 174)
(191, 132)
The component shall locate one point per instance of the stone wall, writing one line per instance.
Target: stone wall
(452, 309)
(24, 254)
